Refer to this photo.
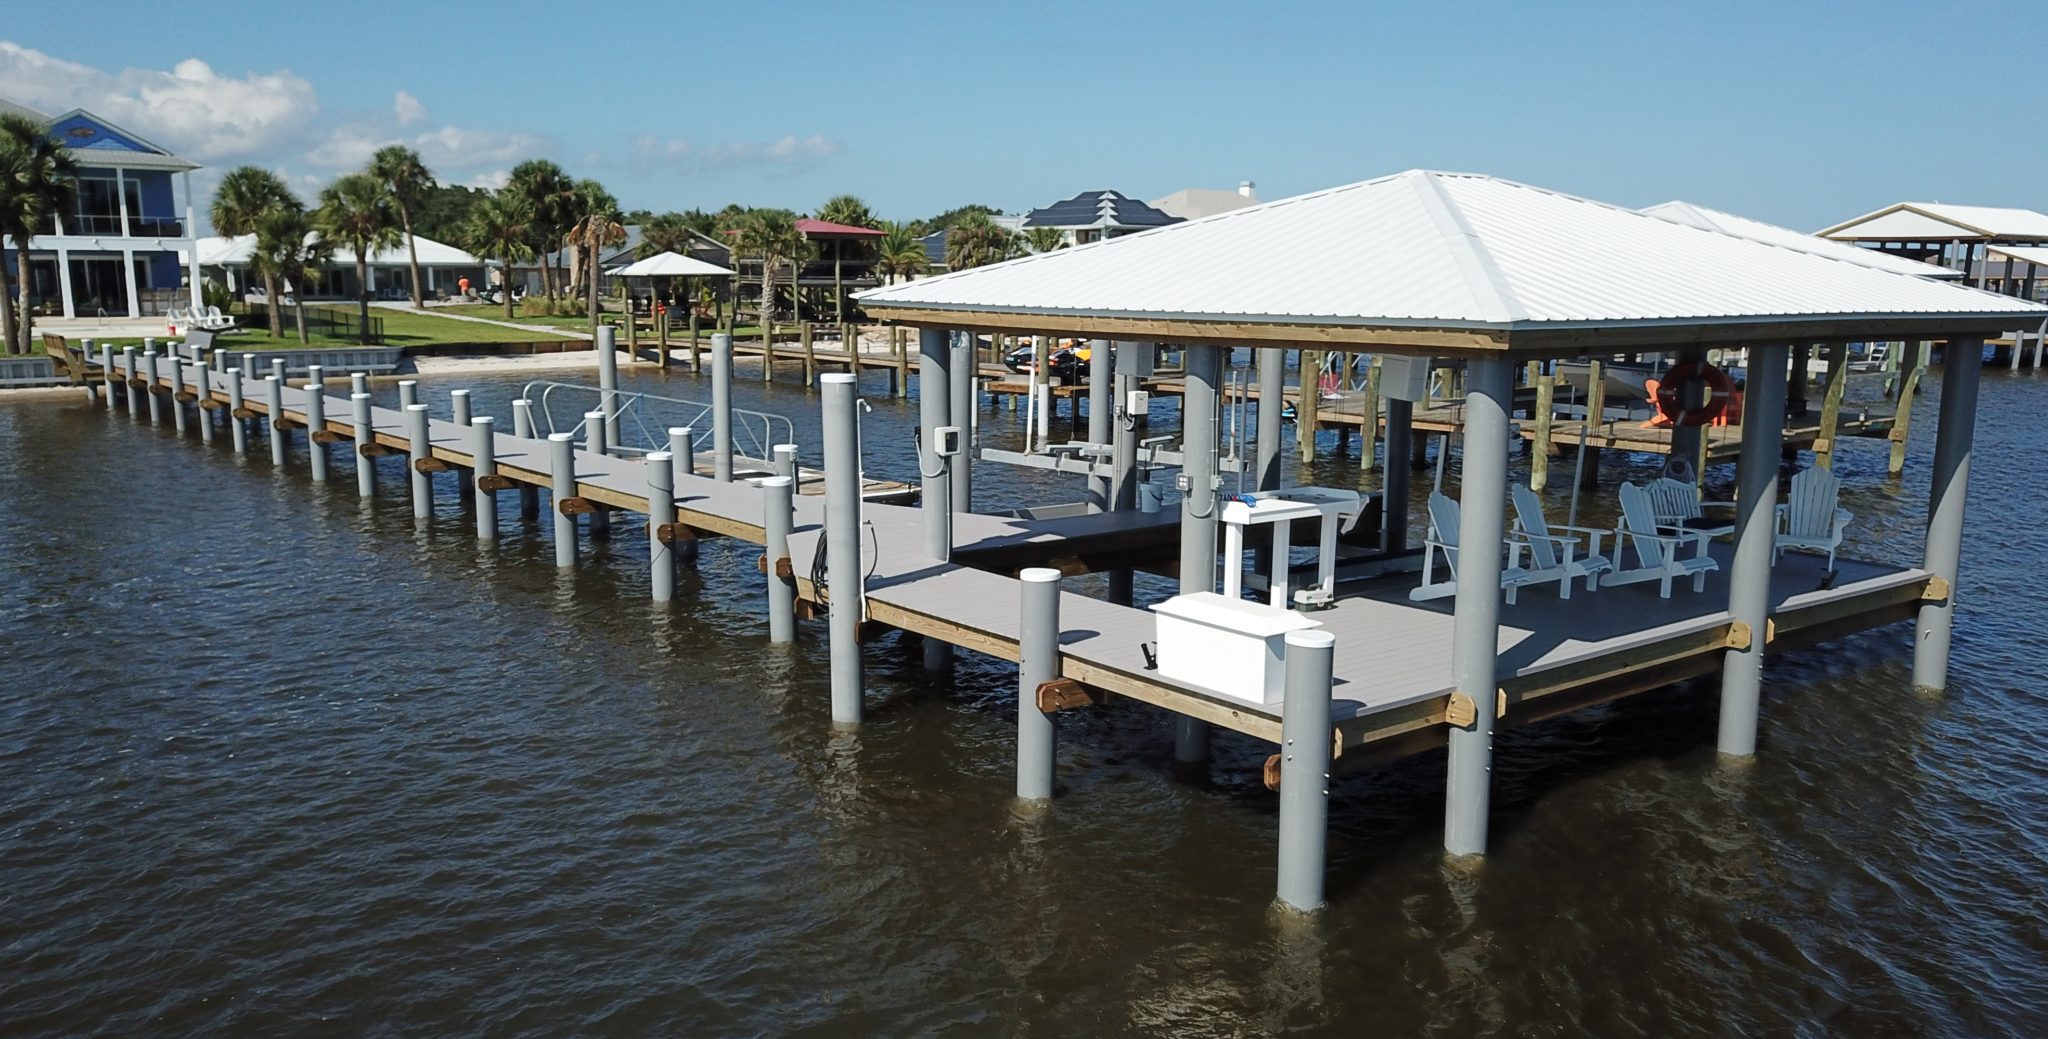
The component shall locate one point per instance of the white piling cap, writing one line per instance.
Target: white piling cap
(415, 407)
(1311, 638)
(680, 431)
(658, 456)
(1039, 575)
(836, 377)
(774, 481)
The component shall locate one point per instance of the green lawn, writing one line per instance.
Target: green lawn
(573, 322)
(401, 328)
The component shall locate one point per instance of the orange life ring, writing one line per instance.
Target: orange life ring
(1672, 386)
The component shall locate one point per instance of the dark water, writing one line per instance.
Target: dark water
(279, 763)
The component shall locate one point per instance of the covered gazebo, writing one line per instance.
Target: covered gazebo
(1494, 273)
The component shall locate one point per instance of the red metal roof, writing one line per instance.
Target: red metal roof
(817, 228)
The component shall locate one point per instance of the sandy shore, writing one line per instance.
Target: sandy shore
(510, 363)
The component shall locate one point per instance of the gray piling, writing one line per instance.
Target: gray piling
(418, 449)
(721, 407)
(594, 441)
(316, 421)
(842, 543)
(273, 395)
(483, 450)
(202, 384)
(177, 365)
(149, 372)
(562, 473)
(784, 461)
(129, 370)
(1038, 662)
(1475, 628)
(459, 410)
(608, 382)
(1749, 573)
(935, 501)
(1305, 768)
(316, 376)
(661, 511)
(277, 369)
(108, 372)
(358, 382)
(779, 517)
(523, 428)
(1101, 411)
(366, 466)
(1204, 364)
(1934, 626)
(248, 366)
(961, 376)
(1394, 475)
(682, 452)
(238, 429)
(408, 393)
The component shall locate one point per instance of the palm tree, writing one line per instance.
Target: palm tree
(356, 211)
(548, 192)
(37, 182)
(665, 233)
(977, 241)
(1045, 239)
(597, 226)
(245, 196)
(289, 252)
(500, 226)
(771, 234)
(848, 210)
(408, 180)
(900, 254)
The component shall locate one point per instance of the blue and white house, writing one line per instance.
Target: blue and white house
(126, 249)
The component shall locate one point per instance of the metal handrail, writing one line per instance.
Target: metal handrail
(754, 433)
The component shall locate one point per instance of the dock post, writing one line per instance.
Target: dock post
(358, 382)
(842, 544)
(419, 449)
(1749, 574)
(1902, 414)
(1934, 626)
(277, 369)
(961, 374)
(935, 497)
(238, 430)
(149, 372)
(1101, 413)
(595, 433)
(280, 438)
(483, 453)
(177, 390)
(1475, 630)
(1038, 662)
(316, 375)
(1394, 482)
(1203, 363)
(129, 371)
(779, 516)
(608, 383)
(1540, 449)
(1272, 374)
(248, 365)
(721, 408)
(202, 385)
(810, 353)
(408, 393)
(785, 461)
(522, 427)
(366, 434)
(316, 423)
(682, 453)
(1831, 405)
(1308, 404)
(107, 372)
(459, 412)
(562, 470)
(1305, 747)
(661, 513)
(1368, 448)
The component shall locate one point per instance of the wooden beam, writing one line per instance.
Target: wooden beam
(1413, 341)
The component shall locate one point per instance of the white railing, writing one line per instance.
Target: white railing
(643, 419)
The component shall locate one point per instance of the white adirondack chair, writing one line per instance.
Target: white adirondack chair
(1549, 552)
(1811, 519)
(1677, 503)
(1657, 546)
(215, 321)
(1443, 540)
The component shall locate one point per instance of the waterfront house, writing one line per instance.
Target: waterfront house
(1094, 215)
(442, 267)
(1196, 203)
(124, 248)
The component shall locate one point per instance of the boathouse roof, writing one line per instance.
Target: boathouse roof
(1772, 234)
(1425, 262)
(1942, 222)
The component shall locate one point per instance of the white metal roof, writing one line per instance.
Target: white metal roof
(1772, 234)
(1907, 221)
(668, 265)
(1440, 250)
(2035, 254)
(218, 251)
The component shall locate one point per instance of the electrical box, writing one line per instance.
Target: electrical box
(946, 441)
(1405, 378)
(1226, 645)
(1138, 403)
(1136, 359)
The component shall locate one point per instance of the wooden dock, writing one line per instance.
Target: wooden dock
(1393, 663)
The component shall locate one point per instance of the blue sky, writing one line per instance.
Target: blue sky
(1797, 113)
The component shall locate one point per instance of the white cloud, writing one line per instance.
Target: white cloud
(408, 108)
(789, 152)
(190, 109)
(492, 181)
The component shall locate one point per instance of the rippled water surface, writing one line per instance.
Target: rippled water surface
(278, 762)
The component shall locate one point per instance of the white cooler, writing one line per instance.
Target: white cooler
(1227, 645)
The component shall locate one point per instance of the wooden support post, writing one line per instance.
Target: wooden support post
(767, 348)
(633, 332)
(1902, 415)
(1831, 405)
(1540, 449)
(1368, 445)
(1311, 366)
(810, 354)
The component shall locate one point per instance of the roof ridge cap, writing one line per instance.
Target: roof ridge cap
(1483, 277)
